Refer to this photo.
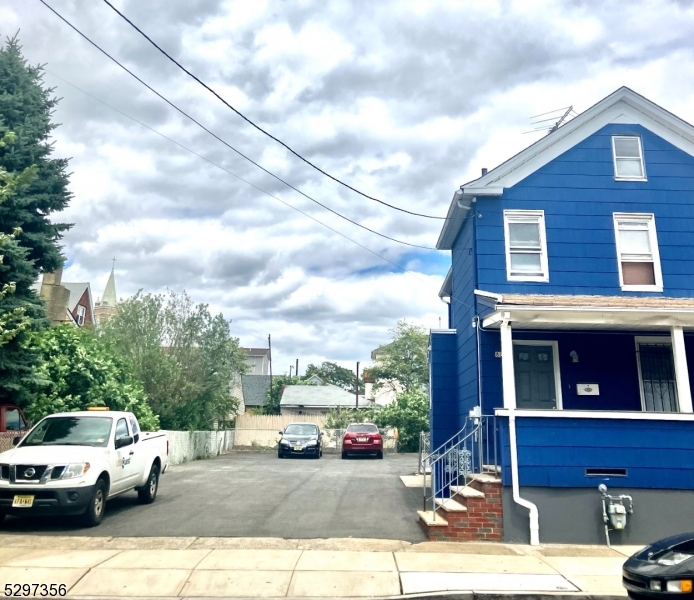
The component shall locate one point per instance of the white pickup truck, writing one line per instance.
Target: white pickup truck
(72, 463)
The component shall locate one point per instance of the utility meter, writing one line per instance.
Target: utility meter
(614, 511)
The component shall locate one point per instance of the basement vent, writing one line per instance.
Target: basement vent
(606, 472)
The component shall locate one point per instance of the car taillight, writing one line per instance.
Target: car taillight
(349, 436)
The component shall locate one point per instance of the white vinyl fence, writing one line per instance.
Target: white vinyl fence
(185, 446)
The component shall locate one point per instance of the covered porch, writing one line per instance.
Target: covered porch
(592, 353)
(591, 390)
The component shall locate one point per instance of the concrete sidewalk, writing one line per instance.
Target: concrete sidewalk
(271, 567)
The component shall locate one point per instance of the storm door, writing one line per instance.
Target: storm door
(657, 370)
(535, 381)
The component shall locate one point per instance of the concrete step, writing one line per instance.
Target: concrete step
(466, 491)
(431, 521)
(483, 478)
(450, 505)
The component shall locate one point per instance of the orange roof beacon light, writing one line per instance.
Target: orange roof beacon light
(97, 408)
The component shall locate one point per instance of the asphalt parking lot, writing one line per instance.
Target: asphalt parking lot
(259, 495)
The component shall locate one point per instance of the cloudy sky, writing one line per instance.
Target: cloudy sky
(403, 100)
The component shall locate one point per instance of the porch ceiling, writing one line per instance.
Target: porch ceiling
(557, 317)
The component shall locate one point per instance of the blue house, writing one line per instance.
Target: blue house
(571, 315)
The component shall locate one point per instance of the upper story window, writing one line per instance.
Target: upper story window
(526, 245)
(637, 252)
(81, 312)
(628, 157)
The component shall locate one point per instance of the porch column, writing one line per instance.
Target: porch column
(507, 371)
(684, 394)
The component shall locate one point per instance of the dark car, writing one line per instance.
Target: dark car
(300, 439)
(664, 569)
(362, 438)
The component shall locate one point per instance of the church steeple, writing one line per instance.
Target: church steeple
(107, 306)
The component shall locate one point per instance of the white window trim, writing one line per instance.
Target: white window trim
(652, 339)
(81, 315)
(555, 359)
(530, 215)
(614, 159)
(653, 238)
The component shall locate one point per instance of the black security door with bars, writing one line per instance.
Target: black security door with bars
(658, 377)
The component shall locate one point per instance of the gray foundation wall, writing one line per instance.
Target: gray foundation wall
(574, 515)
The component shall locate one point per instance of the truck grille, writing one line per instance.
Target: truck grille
(29, 472)
(4, 471)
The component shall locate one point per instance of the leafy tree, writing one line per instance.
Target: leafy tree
(339, 418)
(331, 372)
(402, 364)
(26, 108)
(410, 414)
(185, 357)
(274, 393)
(77, 371)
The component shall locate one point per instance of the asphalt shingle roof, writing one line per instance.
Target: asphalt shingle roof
(318, 395)
(255, 389)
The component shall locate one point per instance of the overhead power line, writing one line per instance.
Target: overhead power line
(185, 114)
(173, 141)
(258, 127)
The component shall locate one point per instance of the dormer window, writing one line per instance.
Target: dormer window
(526, 245)
(637, 252)
(628, 158)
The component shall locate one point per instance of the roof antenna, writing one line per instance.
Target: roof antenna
(559, 116)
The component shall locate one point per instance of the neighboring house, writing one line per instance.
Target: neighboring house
(255, 389)
(315, 380)
(65, 302)
(80, 303)
(317, 399)
(258, 361)
(572, 321)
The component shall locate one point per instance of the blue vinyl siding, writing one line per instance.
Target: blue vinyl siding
(557, 452)
(463, 308)
(579, 195)
(443, 361)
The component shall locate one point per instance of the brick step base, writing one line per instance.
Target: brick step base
(474, 513)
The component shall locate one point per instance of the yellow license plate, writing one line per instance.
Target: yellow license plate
(297, 448)
(23, 502)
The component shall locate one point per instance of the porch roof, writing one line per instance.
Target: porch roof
(548, 311)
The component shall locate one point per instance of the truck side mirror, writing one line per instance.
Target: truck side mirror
(15, 440)
(124, 441)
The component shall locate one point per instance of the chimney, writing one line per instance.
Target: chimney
(484, 171)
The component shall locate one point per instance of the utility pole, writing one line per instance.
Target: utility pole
(296, 371)
(290, 370)
(356, 392)
(269, 351)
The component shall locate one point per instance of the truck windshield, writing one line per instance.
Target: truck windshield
(70, 431)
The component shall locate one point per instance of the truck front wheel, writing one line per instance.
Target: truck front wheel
(97, 505)
(148, 493)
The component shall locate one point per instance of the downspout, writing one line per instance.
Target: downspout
(534, 515)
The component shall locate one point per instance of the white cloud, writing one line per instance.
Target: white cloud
(404, 100)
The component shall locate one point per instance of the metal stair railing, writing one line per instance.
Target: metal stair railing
(471, 451)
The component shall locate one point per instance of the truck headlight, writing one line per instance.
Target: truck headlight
(285, 442)
(75, 470)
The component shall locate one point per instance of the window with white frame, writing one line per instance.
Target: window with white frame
(628, 157)
(81, 312)
(637, 252)
(526, 245)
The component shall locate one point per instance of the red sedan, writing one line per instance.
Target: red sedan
(362, 438)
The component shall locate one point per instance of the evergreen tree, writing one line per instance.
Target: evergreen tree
(32, 187)
(26, 107)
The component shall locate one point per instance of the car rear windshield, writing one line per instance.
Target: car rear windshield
(362, 428)
(301, 429)
(70, 431)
